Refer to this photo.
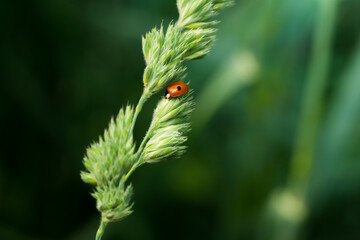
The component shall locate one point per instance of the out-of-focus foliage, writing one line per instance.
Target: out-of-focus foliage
(68, 66)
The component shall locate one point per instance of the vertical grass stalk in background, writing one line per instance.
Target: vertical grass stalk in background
(291, 204)
(112, 160)
(312, 101)
(338, 139)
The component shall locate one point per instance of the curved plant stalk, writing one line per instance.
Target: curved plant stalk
(111, 161)
(101, 230)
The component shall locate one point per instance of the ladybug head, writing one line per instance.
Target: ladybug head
(167, 94)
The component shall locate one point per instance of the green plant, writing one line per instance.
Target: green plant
(295, 194)
(111, 160)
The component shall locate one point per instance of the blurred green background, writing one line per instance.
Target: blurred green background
(275, 147)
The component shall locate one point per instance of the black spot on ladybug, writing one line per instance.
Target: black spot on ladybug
(178, 88)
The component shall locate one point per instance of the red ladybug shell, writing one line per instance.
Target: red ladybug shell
(176, 89)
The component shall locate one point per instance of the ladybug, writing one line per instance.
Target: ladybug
(176, 89)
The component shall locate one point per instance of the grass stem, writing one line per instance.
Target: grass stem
(142, 100)
(304, 152)
(101, 229)
(312, 101)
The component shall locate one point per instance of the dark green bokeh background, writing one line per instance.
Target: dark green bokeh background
(68, 66)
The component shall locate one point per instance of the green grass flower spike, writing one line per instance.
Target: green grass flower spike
(110, 161)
